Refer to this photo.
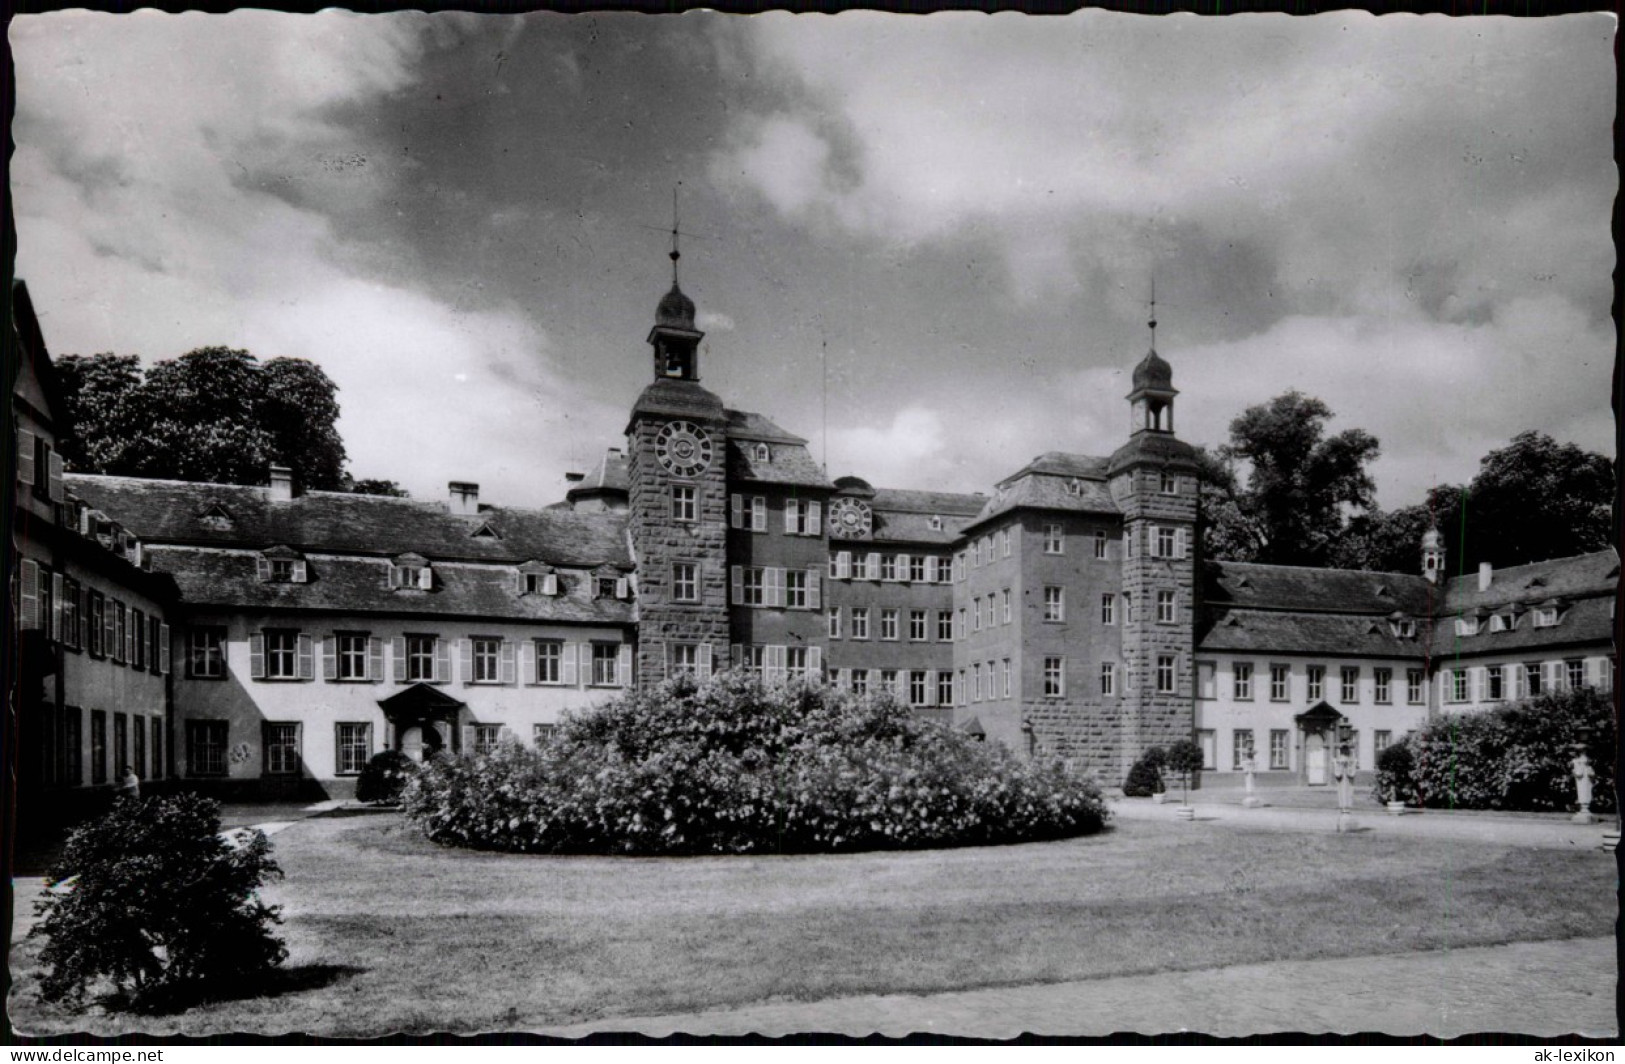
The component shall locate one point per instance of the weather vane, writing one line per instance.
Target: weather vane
(676, 231)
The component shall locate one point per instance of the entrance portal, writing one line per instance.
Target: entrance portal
(1314, 759)
(421, 741)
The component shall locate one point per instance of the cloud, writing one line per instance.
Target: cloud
(713, 321)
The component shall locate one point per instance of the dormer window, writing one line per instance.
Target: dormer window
(216, 518)
(615, 587)
(763, 453)
(1499, 623)
(411, 571)
(1546, 617)
(536, 578)
(934, 523)
(1074, 486)
(485, 531)
(1466, 625)
(283, 565)
(1403, 628)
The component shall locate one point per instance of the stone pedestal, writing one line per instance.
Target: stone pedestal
(1345, 822)
(1584, 816)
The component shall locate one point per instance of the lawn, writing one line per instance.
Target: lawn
(389, 933)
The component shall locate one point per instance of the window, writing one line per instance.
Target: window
(1278, 748)
(753, 659)
(803, 517)
(860, 681)
(860, 622)
(916, 626)
(976, 614)
(917, 690)
(281, 749)
(1207, 679)
(1165, 607)
(684, 658)
(795, 589)
(835, 622)
(70, 625)
(281, 654)
(750, 512)
(1053, 541)
(1316, 677)
(605, 664)
(798, 662)
(411, 572)
(1008, 673)
(98, 746)
(1457, 679)
(1466, 625)
(121, 742)
(1100, 544)
(959, 567)
(1532, 676)
(1381, 739)
(1382, 682)
(1241, 747)
(549, 660)
(138, 637)
(205, 747)
(1494, 683)
(1280, 675)
(1575, 672)
(945, 688)
(485, 655)
(1170, 486)
(1165, 674)
(1241, 676)
(608, 587)
(916, 568)
(684, 503)
(1545, 617)
(1207, 740)
(1498, 623)
(1054, 604)
(352, 656)
(1351, 684)
(121, 633)
(286, 570)
(1108, 609)
(420, 657)
(205, 653)
(888, 624)
(1108, 679)
(157, 747)
(541, 583)
(486, 738)
(753, 586)
(1166, 543)
(685, 582)
(1414, 684)
(96, 641)
(840, 564)
(945, 626)
(1054, 677)
(353, 747)
(959, 624)
(1004, 608)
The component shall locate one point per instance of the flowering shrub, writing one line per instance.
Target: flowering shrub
(1516, 756)
(153, 899)
(733, 766)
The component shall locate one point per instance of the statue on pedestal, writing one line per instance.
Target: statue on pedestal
(1583, 775)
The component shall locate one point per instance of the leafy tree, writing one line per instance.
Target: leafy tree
(1300, 483)
(1184, 758)
(151, 898)
(1535, 499)
(373, 486)
(214, 414)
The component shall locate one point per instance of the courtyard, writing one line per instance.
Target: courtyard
(389, 933)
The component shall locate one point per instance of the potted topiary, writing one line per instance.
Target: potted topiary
(1185, 758)
(1394, 767)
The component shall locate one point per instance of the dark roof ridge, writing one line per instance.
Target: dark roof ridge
(1322, 569)
(1511, 569)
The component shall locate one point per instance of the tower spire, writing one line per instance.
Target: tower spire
(675, 254)
(1152, 323)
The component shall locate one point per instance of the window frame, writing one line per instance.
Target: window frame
(349, 737)
(1167, 674)
(1241, 681)
(685, 503)
(1054, 538)
(273, 746)
(215, 652)
(287, 647)
(1054, 676)
(200, 741)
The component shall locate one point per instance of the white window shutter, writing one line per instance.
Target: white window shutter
(163, 649)
(873, 565)
(843, 565)
(585, 650)
(1180, 547)
(262, 565)
(470, 738)
(550, 584)
(56, 607)
(109, 630)
(775, 663)
(527, 661)
(442, 660)
(815, 518)
(738, 577)
(621, 587)
(792, 514)
(25, 457)
(815, 589)
(398, 652)
(737, 519)
(931, 687)
(465, 660)
(702, 658)
(330, 658)
(815, 663)
(623, 665)
(301, 572)
(256, 656)
(899, 685)
(567, 666)
(307, 658)
(54, 465)
(903, 563)
(506, 659)
(426, 578)
(775, 587)
(758, 513)
(375, 659)
(737, 660)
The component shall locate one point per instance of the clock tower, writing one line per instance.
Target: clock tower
(677, 503)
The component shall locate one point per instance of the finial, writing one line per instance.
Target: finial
(1153, 322)
(675, 254)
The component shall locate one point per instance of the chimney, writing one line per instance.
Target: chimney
(1485, 571)
(465, 497)
(281, 483)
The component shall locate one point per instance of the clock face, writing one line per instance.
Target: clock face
(684, 448)
(850, 518)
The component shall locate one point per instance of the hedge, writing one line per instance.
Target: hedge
(734, 766)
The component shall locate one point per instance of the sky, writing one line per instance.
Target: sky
(925, 244)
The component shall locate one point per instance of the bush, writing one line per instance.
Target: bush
(1516, 756)
(152, 898)
(736, 767)
(1145, 775)
(1394, 767)
(384, 777)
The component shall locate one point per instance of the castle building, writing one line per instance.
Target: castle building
(1068, 613)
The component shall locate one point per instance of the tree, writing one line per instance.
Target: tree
(1300, 484)
(214, 414)
(1184, 758)
(373, 486)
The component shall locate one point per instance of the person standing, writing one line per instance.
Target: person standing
(129, 784)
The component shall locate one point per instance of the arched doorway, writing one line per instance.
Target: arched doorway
(1316, 728)
(422, 740)
(423, 721)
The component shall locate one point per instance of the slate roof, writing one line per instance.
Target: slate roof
(745, 425)
(789, 461)
(610, 475)
(1291, 587)
(1234, 628)
(1583, 574)
(1586, 620)
(1053, 481)
(167, 511)
(230, 579)
(903, 516)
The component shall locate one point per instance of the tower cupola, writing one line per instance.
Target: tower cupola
(1151, 402)
(1433, 556)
